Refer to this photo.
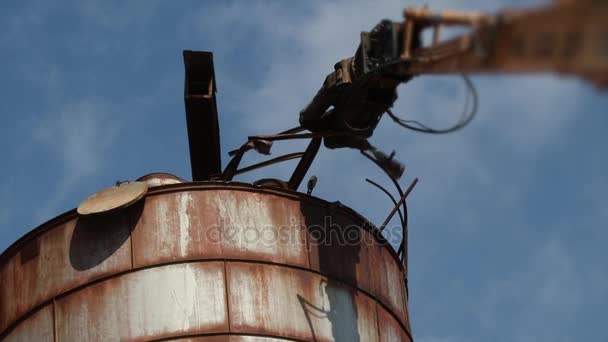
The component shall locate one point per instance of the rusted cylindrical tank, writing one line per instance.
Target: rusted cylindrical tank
(205, 262)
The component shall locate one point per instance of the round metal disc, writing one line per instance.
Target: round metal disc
(119, 196)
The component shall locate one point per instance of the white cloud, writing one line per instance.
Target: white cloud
(78, 135)
(117, 15)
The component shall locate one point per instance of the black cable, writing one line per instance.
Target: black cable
(465, 119)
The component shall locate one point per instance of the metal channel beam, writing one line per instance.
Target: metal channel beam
(201, 115)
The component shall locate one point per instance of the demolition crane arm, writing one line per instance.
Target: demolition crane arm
(568, 37)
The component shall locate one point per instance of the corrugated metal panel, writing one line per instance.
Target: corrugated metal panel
(37, 327)
(157, 302)
(280, 301)
(72, 254)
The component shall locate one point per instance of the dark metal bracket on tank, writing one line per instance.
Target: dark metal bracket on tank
(201, 115)
(263, 145)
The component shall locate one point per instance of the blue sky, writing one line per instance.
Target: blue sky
(507, 225)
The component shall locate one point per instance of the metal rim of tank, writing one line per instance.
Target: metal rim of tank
(205, 185)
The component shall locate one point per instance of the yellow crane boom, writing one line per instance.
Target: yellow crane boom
(567, 37)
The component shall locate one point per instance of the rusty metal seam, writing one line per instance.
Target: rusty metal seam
(409, 322)
(131, 229)
(404, 328)
(66, 293)
(132, 256)
(307, 242)
(405, 299)
(180, 337)
(226, 287)
(53, 311)
(377, 321)
(36, 232)
(14, 324)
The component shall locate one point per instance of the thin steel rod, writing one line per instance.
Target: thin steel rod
(304, 165)
(233, 165)
(268, 162)
(294, 130)
(290, 136)
(407, 192)
(404, 233)
(383, 189)
(290, 131)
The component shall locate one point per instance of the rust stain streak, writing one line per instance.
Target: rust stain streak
(226, 287)
(54, 321)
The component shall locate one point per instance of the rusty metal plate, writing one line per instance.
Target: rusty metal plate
(390, 286)
(389, 328)
(281, 301)
(176, 226)
(216, 223)
(259, 226)
(330, 252)
(71, 254)
(115, 197)
(38, 327)
(340, 248)
(172, 300)
(201, 115)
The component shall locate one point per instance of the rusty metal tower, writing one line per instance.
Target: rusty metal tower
(207, 260)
